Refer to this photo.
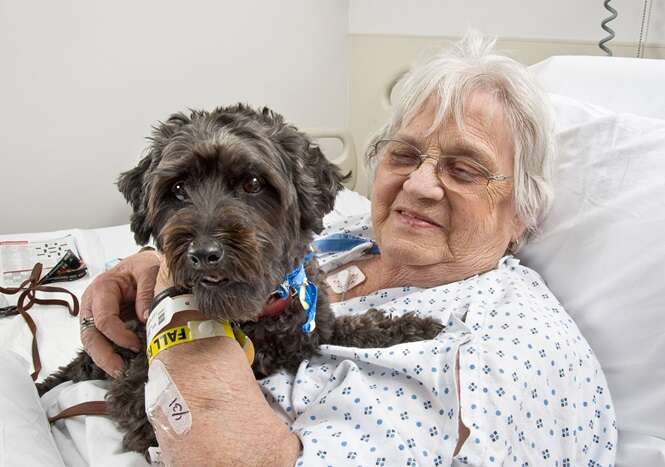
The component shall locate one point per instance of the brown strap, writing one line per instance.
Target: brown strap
(28, 290)
(84, 408)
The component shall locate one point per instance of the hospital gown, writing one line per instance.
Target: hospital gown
(532, 390)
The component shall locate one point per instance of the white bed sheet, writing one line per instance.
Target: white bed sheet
(25, 437)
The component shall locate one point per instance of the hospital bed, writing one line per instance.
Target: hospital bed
(601, 251)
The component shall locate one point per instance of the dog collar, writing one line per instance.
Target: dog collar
(307, 292)
(275, 306)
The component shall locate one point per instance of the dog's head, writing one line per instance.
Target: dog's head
(232, 198)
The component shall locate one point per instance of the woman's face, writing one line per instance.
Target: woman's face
(419, 221)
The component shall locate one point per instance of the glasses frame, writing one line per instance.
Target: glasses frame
(484, 171)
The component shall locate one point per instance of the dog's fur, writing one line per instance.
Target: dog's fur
(216, 159)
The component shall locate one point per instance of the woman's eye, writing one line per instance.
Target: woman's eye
(252, 184)
(463, 172)
(178, 190)
(402, 159)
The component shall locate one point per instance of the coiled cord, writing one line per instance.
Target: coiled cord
(608, 29)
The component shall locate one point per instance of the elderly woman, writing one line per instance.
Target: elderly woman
(462, 178)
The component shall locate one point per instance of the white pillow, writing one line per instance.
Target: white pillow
(602, 252)
(25, 435)
(622, 84)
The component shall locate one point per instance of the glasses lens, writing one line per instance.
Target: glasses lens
(462, 175)
(400, 158)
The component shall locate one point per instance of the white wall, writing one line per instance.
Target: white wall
(535, 19)
(82, 81)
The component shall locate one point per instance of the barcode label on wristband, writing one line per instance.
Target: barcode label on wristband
(164, 311)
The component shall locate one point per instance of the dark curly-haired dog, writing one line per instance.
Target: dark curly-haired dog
(233, 198)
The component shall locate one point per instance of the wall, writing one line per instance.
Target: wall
(576, 20)
(82, 81)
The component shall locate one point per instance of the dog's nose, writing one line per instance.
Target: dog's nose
(202, 253)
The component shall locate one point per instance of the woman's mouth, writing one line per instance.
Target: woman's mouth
(413, 219)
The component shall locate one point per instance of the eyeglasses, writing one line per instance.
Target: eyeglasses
(461, 174)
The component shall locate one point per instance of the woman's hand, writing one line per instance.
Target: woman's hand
(163, 279)
(124, 292)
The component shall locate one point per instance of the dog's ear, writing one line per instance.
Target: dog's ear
(328, 180)
(135, 183)
(132, 185)
(316, 179)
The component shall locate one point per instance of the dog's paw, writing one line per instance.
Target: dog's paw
(377, 329)
(413, 328)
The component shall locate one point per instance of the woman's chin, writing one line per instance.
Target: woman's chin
(402, 251)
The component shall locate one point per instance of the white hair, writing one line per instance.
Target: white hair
(453, 75)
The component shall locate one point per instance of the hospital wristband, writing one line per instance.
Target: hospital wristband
(163, 311)
(166, 293)
(195, 330)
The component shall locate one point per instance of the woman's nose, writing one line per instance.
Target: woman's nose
(424, 182)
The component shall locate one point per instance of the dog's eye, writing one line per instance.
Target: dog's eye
(252, 184)
(179, 190)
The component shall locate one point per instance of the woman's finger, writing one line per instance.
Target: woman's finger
(145, 291)
(100, 350)
(106, 310)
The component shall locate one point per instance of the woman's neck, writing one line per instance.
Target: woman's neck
(400, 275)
(383, 274)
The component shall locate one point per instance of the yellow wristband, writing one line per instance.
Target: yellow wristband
(195, 330)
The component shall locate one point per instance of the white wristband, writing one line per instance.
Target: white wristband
(164, 311)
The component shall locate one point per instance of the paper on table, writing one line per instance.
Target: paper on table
(17, 257)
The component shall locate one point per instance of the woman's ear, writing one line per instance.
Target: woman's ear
(517, 233)
(518, 228)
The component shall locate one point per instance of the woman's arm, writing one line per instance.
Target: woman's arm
(232, 424)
